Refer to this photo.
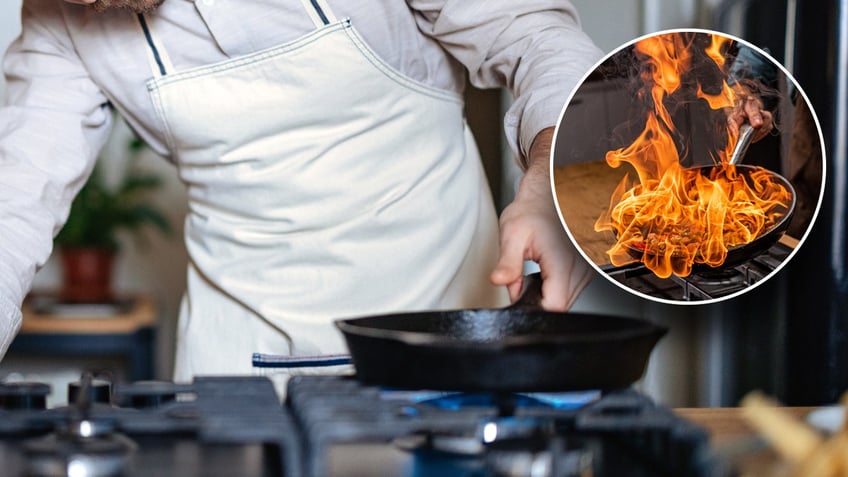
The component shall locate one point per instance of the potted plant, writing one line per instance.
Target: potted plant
(88, 243)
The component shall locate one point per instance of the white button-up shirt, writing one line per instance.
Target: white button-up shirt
(71, 65)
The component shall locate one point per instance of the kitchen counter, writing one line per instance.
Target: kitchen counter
(127, 315)
(124, 329)
(726, 424)
(731, 436)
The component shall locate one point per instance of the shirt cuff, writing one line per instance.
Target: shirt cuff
(10, 323)
(520, 133)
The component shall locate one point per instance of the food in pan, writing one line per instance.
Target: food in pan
(697, 218)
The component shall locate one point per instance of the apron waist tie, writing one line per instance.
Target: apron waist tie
(261, 360)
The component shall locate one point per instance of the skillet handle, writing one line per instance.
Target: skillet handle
(531, 294)
(746, 133)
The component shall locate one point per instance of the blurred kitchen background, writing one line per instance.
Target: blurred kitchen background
(786, 337)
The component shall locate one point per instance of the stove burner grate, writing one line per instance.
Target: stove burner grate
(706, 285)
(617, 433)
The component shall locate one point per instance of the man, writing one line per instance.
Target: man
(328, 167)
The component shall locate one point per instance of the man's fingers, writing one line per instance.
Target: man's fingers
(509, 271)
(565, 275)
(513, 287)
(768, 125)
(734, 121)
(760, 119)
(553, 298)
(753, 110)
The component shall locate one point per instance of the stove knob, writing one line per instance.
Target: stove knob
(23, 395)
(146, 394)
(151, 400)
(99, 391)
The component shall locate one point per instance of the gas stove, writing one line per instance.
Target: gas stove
(705, 285)
(211, 427)
(338, 426)
(424, 433)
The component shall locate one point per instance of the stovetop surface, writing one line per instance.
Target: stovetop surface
(337, 426)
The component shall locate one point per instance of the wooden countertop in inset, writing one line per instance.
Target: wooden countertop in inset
(583, 192)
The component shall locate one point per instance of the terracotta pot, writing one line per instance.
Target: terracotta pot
(87, 274)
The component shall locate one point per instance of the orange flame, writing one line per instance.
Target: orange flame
(674, 217)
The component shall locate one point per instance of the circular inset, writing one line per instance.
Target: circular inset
(687, 167)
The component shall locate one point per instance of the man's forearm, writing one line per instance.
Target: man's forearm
(539, 155)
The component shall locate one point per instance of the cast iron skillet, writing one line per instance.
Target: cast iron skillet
(741, 253)
(518, 348)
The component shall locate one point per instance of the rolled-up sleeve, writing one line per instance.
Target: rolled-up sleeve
(53, 123)
(533, 47)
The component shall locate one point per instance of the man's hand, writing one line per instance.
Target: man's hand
(531, 230)
(750, 110)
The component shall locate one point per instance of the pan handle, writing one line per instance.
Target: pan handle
(746, 133)
(531, 294)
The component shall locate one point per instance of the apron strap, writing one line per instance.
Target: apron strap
(157, 56)
(319, 12)
(160, 63)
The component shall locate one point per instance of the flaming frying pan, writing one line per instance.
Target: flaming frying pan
(675, 220)
(739, 253)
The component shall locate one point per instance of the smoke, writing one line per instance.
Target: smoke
(699, 131)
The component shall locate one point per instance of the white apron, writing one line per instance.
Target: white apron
(322, 184)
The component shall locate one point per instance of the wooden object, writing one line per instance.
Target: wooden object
(736, 441)
(726, 424)
(583, 192)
